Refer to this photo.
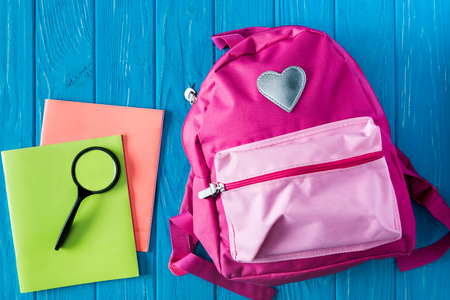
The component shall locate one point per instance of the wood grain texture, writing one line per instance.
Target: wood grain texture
(125, 75)
(183, 54)
(64, 70)
(315, 14)
(423, 126)
(364, 29)
(125, 53)
(64, 53)
(143, 53)
(231, 15)
(16, 118)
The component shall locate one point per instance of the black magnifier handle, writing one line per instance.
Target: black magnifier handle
(82, 194)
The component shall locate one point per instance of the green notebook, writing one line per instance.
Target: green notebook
(41, 193)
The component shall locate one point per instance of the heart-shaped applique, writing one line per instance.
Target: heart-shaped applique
(283, 89)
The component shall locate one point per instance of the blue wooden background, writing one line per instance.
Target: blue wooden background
(144, 52)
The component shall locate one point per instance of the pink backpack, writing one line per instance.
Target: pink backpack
(294, 174)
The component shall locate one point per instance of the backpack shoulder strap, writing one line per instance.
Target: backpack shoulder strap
(183, 261)
(425, 194)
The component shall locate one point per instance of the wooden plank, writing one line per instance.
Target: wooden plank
(184, 54)
(16, 118)
(365, 31)
(125, 53)
(318, 15)
(64, 53)
(64, 70)
(422, 66)
(315, 14)
(125, 75)
(236, 15)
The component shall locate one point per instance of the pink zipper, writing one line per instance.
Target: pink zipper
(218, 187)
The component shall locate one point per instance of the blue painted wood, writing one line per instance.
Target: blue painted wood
(310, 13)
(423, 126)
(125, 75)
(64, 53)
(365, 30)
(230, 15)
(143, 53)
(360, 28)
(16, 118)
(64, 70)
(125, 60)
(183, 54)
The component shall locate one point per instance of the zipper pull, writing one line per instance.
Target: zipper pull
(190, 94)
(214, 189)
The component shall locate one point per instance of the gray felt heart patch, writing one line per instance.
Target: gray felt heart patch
(283, 89)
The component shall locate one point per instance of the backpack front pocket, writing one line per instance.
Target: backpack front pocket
(315, 192)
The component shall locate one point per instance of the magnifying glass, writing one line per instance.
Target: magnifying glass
(95, 170)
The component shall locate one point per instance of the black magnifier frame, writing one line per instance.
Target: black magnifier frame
(116, 165)
(83, 192)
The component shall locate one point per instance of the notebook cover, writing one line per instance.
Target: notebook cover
(66, 121)
(41, 193)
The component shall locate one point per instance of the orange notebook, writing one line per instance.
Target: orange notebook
(141, 129)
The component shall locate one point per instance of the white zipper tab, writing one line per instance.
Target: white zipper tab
(214, 189)
(190, 94)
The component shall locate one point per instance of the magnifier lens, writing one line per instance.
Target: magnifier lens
(95, 170)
